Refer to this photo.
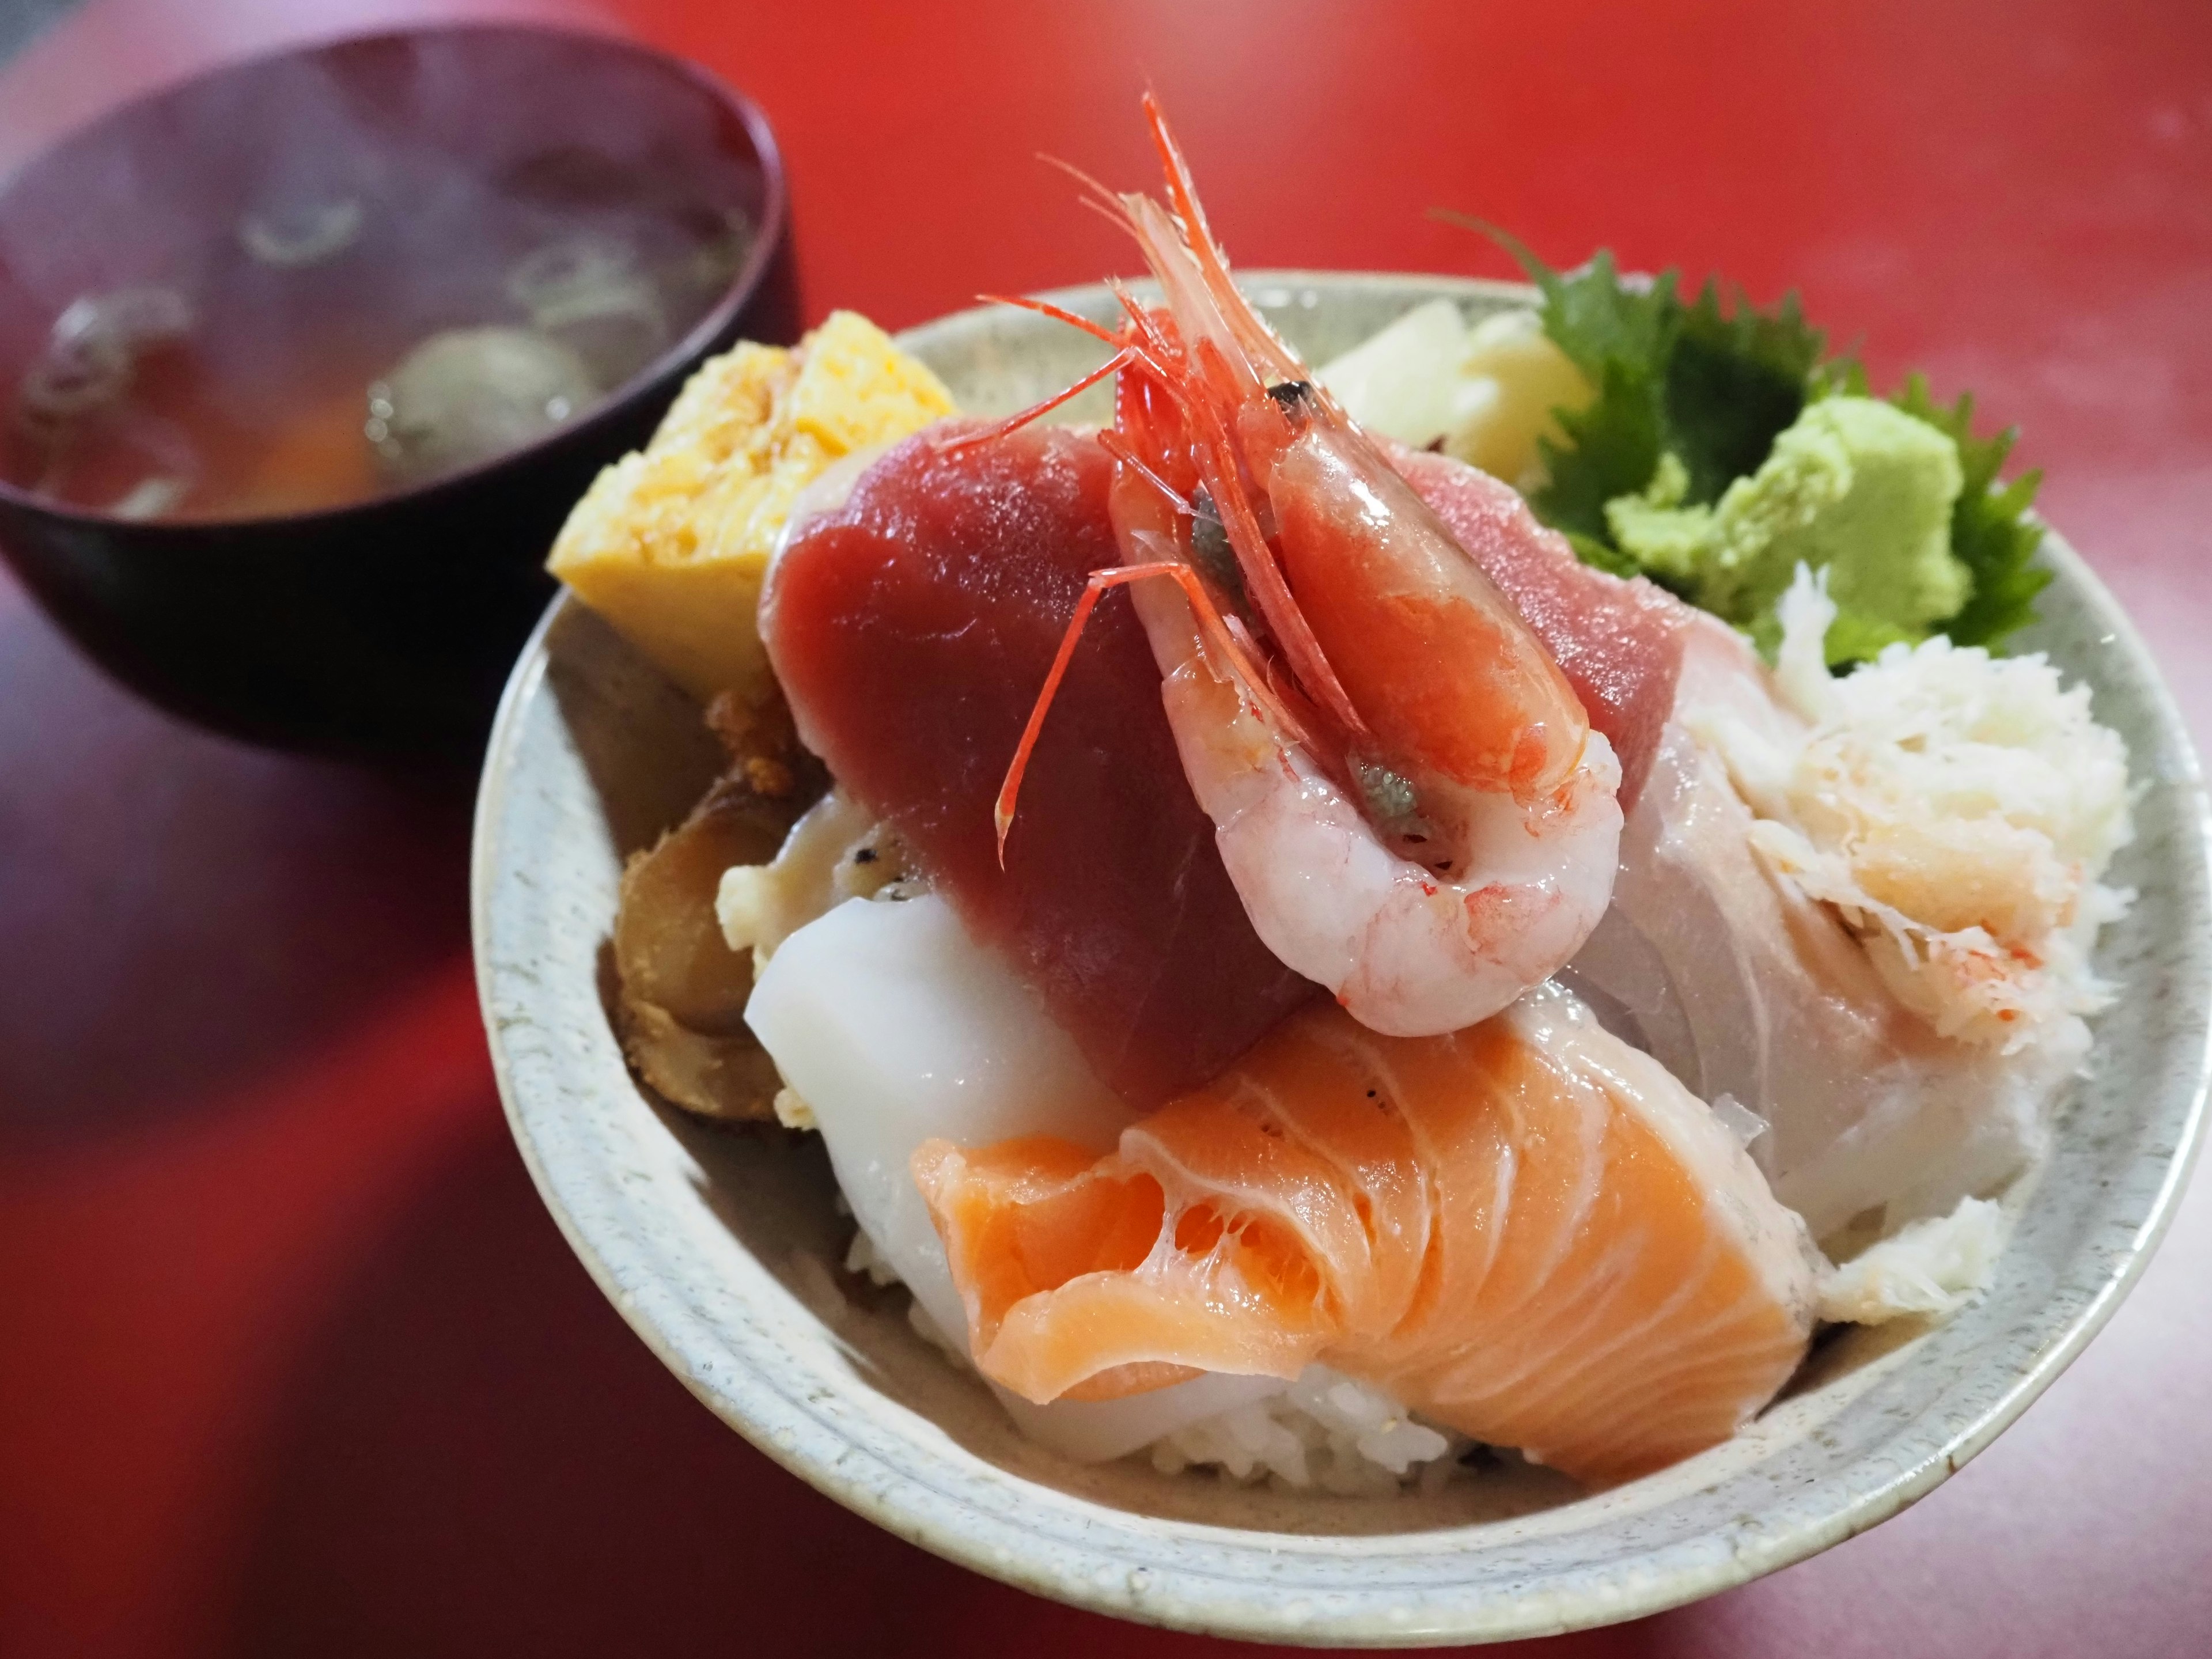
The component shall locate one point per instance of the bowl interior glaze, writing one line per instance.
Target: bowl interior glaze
(717, 1245)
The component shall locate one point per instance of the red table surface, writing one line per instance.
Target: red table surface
(292, 1361)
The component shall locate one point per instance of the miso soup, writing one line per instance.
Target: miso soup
(440, 257)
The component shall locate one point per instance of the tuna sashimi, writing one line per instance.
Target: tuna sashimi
(910, 628)
(1620, 643)
(1527, 1231)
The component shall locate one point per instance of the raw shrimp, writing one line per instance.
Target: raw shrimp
(1405, 789)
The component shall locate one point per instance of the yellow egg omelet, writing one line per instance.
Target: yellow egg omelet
(669, 543)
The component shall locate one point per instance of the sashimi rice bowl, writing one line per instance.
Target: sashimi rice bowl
(1353, 959)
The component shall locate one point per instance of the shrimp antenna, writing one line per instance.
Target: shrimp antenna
(1121, 449)
(1058, 313)
(1098, 193)
(1130, 356)
(1140, 319)
(1114, 365)
(1224, 650)
(1148, 354)
(1163, 238)
(1145, 346)
(1113, 213)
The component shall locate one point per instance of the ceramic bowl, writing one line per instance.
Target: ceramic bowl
(717, 1246)
(383, 627)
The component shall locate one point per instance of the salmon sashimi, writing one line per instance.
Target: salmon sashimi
(1619, 643)
(910, 626)
(1527, 1231)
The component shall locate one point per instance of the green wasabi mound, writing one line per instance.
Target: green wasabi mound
(1856, 487)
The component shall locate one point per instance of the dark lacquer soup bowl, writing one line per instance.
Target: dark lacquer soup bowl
(303, 362)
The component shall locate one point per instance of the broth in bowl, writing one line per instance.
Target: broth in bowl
(302, 361)
(206, 328)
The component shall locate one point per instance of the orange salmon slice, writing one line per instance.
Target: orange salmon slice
(1527, 1231)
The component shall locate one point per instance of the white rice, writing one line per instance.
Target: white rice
(862, 1258)
(1325, 1432)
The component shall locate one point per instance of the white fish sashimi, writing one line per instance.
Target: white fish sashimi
(894, 1026)
(1741, 985)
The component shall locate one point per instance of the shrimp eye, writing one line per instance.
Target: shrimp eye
(1291, 395)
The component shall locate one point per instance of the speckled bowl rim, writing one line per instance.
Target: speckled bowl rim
(1223, 1581)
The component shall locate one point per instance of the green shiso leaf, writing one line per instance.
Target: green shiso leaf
(1713, 382)
(1612, 448)
(1736, 379)
(1604, 555)
(1595, 318)
(1710, 381)
(1991, 533)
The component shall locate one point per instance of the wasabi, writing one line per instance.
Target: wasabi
(1856, 488)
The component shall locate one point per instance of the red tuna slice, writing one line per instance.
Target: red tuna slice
(1620, 643)
(912, 628)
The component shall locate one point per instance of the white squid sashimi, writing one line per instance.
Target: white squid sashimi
(895, 1027)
